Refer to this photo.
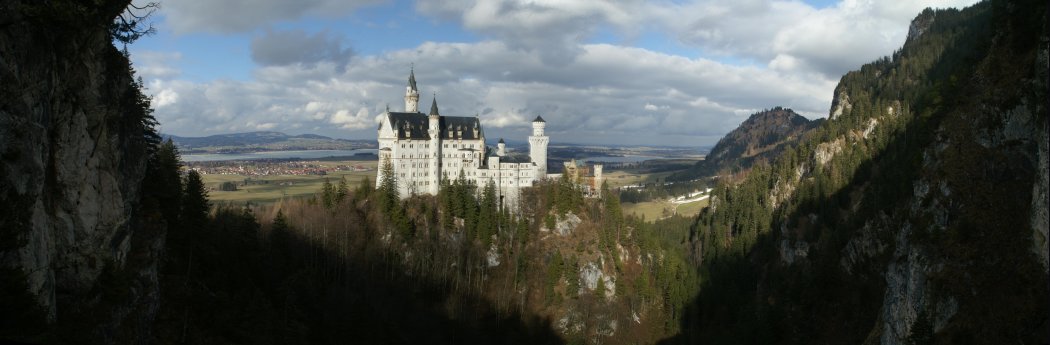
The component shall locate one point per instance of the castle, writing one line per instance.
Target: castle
(423, 149)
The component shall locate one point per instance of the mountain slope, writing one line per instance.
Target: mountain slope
(762, 137)
(915, 214)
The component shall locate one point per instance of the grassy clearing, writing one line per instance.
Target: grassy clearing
(267, 189)
(653, 210)
(693, 208)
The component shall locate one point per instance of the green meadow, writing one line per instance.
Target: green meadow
(271, 188)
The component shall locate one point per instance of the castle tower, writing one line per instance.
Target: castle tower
(538, 147)
(434, 159)
(501, 148)
(411, 93)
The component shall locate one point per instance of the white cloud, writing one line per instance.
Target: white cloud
(165, 98)
(156, 64)
(793, 36)
(594, 98)
(534, 61)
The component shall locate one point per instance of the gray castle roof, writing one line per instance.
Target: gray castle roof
(412, 79)
(434, 107)
(415, 126)
(538, 119)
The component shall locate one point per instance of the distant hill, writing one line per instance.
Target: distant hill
(263, 141)
(762, 136)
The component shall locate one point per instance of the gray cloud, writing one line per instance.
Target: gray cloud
(551, 29)
(282, 48)
(229, 16)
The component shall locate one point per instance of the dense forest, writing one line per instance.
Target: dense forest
(359, 263)
(910, 215)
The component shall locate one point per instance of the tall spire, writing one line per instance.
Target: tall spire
(412, 78)
(412, 93)
(434, 106)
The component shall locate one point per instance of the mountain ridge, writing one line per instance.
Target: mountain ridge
(760, 138)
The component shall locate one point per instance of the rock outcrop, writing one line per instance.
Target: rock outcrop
(72, 160)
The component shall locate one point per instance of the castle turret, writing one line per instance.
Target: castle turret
(411, 93)
(538, 147)
(501, 148)
(434, 159)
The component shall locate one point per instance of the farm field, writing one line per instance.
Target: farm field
(649, 172)
(271, 188)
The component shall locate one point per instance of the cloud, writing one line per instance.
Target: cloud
(784, 34)
(297, 47)
(535, 59)
(229, 16)
(157, 65)
(793, 36)
(552, 29)
(594, 98)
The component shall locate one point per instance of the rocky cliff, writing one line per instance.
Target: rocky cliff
(72, 158)
(915, 214)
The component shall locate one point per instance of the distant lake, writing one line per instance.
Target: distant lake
(620, 159)
(304, 154)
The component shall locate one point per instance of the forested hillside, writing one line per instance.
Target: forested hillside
(357, 263)
(916, 214)
(759, 139)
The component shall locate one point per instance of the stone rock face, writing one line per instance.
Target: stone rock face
(567, 225)
(1041, 190)
(72, 159)
(840, 104)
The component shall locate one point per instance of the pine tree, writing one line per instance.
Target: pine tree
(364, 189)
(599, 289)
(327, 194)
(163, 182)
(342, 191)
(195, 205)
(388, 196)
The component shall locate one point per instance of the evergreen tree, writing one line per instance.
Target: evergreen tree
(388, 196)
(195, 205)
(599, 289)
(163, 182)
(487, 214)
(364, 189)
(328, 196)
(342, 191)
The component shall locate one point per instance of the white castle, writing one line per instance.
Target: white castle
(426, 148)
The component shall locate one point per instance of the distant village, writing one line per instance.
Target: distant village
(268, 167)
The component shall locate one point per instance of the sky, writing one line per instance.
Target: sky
(631, 72)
